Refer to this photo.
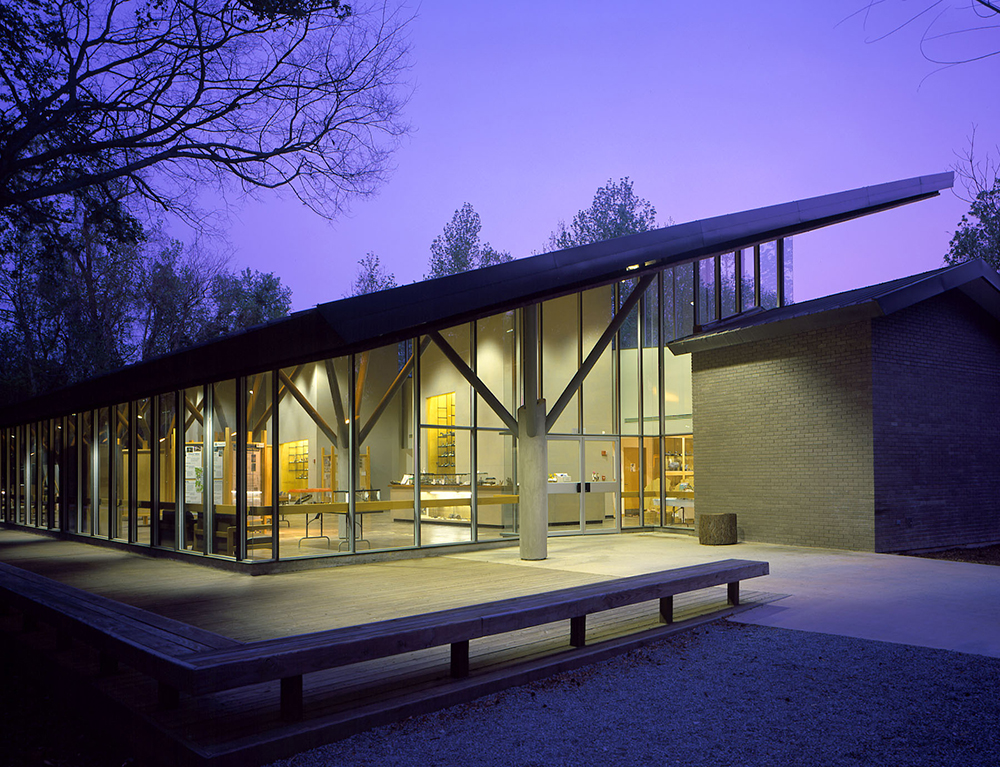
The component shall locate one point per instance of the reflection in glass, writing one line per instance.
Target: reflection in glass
(598, 388)
(122, 471)
(769, 275)
(727, 286)
(561, 358)
(496, 489)
(143, 469)
(259, 430)
(195, 475)
(103, 510)
(314, 457)
(166, 452)
(87, 477)
(222, 502)
(706, 291)
(384, 460)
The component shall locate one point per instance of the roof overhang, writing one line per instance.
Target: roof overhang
(365, 322)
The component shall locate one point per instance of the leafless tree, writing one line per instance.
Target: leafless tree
(165, 96)
(954, 31)
(977, 173)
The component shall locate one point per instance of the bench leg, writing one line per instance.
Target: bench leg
(578, 631)
(167, 696)
(291, 698)
(734, 593)
(107, 664)
(667, 609)
(460, 659)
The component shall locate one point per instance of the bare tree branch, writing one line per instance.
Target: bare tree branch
(166, 96)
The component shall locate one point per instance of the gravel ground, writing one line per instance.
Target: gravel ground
(725, 694)
(980, 555)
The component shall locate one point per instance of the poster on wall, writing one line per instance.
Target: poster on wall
(194, 473)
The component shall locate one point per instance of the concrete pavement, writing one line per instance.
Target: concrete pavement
(892, 598)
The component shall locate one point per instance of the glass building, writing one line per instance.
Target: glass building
(528, 399)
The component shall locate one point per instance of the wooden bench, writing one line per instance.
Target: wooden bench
(200, 662)
(148, 642)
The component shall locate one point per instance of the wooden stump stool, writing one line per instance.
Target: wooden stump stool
(716, 529)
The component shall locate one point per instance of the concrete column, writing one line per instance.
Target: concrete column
(533, 478)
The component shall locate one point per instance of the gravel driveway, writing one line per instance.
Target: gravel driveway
(725, 694)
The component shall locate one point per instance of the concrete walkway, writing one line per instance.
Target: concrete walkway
(906, 600)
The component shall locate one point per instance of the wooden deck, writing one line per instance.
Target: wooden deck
(243, 726)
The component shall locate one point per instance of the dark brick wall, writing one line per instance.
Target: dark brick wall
(936, 425)
(783, 437)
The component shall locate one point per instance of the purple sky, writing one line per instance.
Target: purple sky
(523, 109)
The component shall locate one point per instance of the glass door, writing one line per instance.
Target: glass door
(564, 484)
(601, 488)
(583, 489)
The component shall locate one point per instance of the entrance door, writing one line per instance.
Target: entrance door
(583, 489)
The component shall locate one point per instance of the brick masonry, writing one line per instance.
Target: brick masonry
(877, 435)
(783, 437)
(936, 388)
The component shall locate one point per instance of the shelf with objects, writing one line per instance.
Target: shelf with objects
(447, 499)
(678, 481)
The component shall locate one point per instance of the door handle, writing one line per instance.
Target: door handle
(587, 485)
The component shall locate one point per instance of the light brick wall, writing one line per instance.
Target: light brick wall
(936, 425)
(783, 437)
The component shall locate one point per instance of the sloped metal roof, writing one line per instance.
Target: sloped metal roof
(364, 322)
(976, 279)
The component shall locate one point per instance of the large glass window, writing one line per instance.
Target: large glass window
(70, 473)
(56, 471)
(561, 358)
(769, 275)
(259, 431)
(143, 469)
(447, 473)
(122, 470)
(384, 459)
(87, 475)
(628, 337)
(314, 457)
(727, 285)
(194, 473)
(599, 412)
(222, 501)
(104, 436)
(43, 439)
(166, 458)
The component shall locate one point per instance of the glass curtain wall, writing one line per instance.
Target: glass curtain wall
(88, 477)
(143, 476)
(165, 511)
(104, 486)
(384, 500)
(496, 470)
(194, 476)
(122, 429)
(446, 412)
(70, 468)
(261, 531)
(314, 458)
(393, 447)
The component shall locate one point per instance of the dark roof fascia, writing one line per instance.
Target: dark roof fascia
(975, 279)
(458, 298)
(365, 322)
